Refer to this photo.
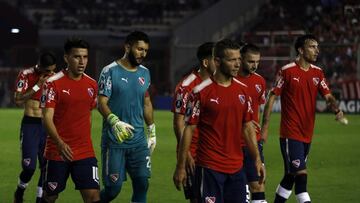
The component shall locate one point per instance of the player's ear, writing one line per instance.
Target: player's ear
(127, 48)
(66, 58)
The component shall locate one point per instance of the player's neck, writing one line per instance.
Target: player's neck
(222, 80)
(244, 74)
(72, 76)
(304, 65)
(203, 73)
(125, 63)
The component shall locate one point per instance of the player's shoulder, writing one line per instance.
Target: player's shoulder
(288, 66)
(57, 76)
(189, 79)
(89, 79)
(316, 68)
(28, 71)
(143, 68)
(108, 67)
(239, 83)
(203, 85)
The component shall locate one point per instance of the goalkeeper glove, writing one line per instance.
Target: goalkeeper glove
(120, 130)
(151, 137)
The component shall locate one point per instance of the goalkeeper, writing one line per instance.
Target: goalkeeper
(124, 103)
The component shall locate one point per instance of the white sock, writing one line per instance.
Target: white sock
(39, 192)
(283, 192)
(303, 197)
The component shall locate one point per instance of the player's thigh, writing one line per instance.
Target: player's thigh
(57, 173)
(294, 154)
(113, 166)
(138, 162)
(249, 165)
(84, 174)
(235, 187)
(30, 138)
(209, 185)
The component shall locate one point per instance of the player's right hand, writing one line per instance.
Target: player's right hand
(65, 151)
(120, 130)
(179, 178)
(190, 164)
(341, 118)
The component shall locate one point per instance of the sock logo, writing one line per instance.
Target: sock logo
(210, 199)
(52, 185)
(296, 163)
(27, 161)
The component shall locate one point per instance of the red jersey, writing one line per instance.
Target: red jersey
(219, 113)
(26, 79)
(298, 90)
(72, 101)
(182, 92)
(256, 90)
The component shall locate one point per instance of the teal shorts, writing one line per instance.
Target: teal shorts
(116, 162)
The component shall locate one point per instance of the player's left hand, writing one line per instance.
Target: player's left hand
(341, 118)
(179, 177)
(151, 137)
(260, 168)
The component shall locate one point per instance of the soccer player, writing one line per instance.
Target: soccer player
(32, 135)
(124, 103)
(183, 89)
(250, 59)
(68, 98)
(219, 108)
(298, 84)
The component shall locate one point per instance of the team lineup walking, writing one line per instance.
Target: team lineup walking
(218, 123)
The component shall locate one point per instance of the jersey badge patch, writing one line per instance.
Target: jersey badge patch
(210, 199)
(114, 177)
(141, 80)
(258, 88)
(296, 163)
(90, 92)
(52, 185)
(242, 98)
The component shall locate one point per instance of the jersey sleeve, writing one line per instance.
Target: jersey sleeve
(248, 113)
(105, 83)
(22, 83)
(49, 96)
(262, 98)
(192, 112)
(323, 87)
(279, 83)
(180, 100)
(94, 101)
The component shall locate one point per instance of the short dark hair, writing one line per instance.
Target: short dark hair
(75, 42)
(205, 50)
(46, 59)
(221, 45)
(249, 48)
(136, 36)
(300, 41)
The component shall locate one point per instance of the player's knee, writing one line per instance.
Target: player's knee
(256, 187)
(300, 183)
(110, 193)
(26, 174)
(140, 184)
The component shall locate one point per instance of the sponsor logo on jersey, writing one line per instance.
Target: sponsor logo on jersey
(66, 91)
(296, 163)
(210, 199)
(27, 161)
(242, 98)
(258, 88)
(52, 185)
(141, 80)
(20, 84)
(215, 100)
(114, 177)
(316, 81)
(90, 92)
(297, 79)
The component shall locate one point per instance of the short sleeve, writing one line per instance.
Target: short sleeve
(279, 83)
(323, 87)
(49, 96)
(21, 82)
(192, 112)
(105, 82)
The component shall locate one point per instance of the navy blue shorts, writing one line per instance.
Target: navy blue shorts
(32, 139)
(294, 154)
(84, 174)
(249, 164)
(213, 186)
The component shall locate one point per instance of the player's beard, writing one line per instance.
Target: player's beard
(132, 59)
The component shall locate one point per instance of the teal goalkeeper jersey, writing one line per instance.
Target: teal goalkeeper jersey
(126, 92)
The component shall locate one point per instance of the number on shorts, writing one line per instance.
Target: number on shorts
(95, 174)
(148, 163)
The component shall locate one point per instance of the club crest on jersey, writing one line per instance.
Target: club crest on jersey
(114, 177)
(316, 81)
(90, 92)
(258, 88)
(296, 163)
(242, 98)
(52, 185)
(27, 161)
(141, 80)
(210, 199)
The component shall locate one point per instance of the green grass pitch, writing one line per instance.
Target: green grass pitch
(333, 163)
